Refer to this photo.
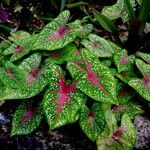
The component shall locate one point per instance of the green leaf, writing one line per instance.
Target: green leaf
(57, 34)
(122, 138)
(62, 100)
(144, 56)
(92, 122)
(123, 61)
(142, 86)
(26, 118)
(77, 4)
(130, 10)
(130, 108)
(25, 80)
(68, 53)
(87, 29)
(95, 79)
(105, 22)
(98, 46)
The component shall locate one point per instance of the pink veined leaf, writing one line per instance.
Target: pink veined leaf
(148, 61)
(147, 81)
(124, 74)
(96, 45)
(91, 117)
(64, 92)
(56, 55)
(18, 50)
(28, 115)
(60, 32)
(117, 135)
(118, 108)
(124, 60)
(92, 76)
(123, 92)
(78, 52)
(10, 73)
(33, 75)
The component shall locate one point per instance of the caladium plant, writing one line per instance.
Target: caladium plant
(59, 72)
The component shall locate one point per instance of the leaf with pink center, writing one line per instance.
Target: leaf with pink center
(35, 79)
(142, 86)
(122, 138)
(68, 53)
(130, 108)
(96, 80)
(124, 93)
(57, 34)
(26, 118)
(20, 49)
(144, 56)
(123, 61)
(92, 122)
(98, 46)
(62, 100)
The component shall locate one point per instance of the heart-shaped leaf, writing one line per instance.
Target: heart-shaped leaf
(62, 100)
(122, 138)
(142, 86)
(26, 118)
(92, 121)
(130, 108)
(57, 33)
(123, 61)
(98, 46)
(96, 79)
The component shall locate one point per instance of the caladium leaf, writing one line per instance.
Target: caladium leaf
(57, 33)
(19, 50)
(96, 79)
(121, 138)
(92, 122)
(142, 86)
(118, 10)
(26, 118)
(123, 93)
(98, 46)
(11, 76)
(62, 100)
(87, 29)
(25, 80)
(123, 61)
(68, 53)
(144, 56)
(18, 36)
(130, 108)
(34, 75)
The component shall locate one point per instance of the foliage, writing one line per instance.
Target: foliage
(60, 71)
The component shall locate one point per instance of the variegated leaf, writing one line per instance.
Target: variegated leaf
(123, 61)
(57, 34)
(144, 56)
(92, 122)
(96, 79)
(142, 86)
(62, 100)
(26, 118)
(98, 46)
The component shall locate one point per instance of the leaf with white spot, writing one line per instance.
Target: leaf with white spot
(123, 61)
(68, 53)
(98, 46)
(57, 34)
(144, 56)
(142, 86)
(123, 138)
(62, 100)
(26, 118)
(96, 79)
(92, 122)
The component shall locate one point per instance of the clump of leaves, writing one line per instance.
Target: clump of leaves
(58, 71)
